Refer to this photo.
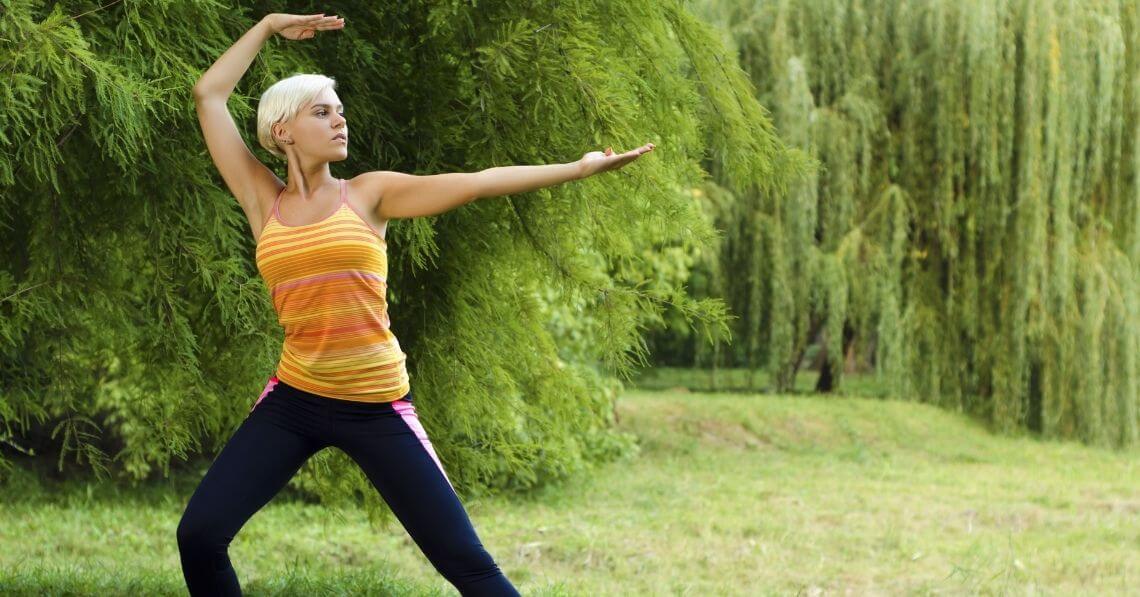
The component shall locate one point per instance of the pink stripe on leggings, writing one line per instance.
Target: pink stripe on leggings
(408, 414)
(268, 388)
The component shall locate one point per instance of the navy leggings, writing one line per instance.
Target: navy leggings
(283, 429)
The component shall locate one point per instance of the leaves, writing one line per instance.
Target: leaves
(141, 309)
(975, 224)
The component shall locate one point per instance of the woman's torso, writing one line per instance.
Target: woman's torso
(328, 284)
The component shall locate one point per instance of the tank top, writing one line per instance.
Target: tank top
(328, 281)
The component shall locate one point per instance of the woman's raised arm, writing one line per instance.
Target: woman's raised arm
(223, 76)
(247, 178)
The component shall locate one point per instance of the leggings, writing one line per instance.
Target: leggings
(283, 429)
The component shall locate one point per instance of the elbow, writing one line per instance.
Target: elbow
(201, 91)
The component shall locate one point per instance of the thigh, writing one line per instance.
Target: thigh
(394, 452)
(255, 464)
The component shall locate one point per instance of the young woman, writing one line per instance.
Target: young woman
(341, 379)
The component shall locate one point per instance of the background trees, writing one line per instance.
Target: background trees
(973, 233)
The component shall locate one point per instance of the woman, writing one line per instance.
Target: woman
(341, 379)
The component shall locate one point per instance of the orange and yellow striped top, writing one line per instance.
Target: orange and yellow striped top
(328, 282)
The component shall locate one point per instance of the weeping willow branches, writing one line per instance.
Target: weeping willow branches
(974, 233)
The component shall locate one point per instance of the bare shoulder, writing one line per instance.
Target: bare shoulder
(372, 184)
(367, 188)
(364, 193)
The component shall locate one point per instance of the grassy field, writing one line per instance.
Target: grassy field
(731, 495)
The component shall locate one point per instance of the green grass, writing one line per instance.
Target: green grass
(731, 494)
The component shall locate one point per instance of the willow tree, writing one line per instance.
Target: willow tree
(974, 230)
(134, 321)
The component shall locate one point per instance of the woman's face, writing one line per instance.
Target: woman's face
(316, 127)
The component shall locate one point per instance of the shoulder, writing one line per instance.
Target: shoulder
(369, 187)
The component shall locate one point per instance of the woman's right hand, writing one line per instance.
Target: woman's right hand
(301, 26)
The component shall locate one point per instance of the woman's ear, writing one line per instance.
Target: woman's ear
(280, 134)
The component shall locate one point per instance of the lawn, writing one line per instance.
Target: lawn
(731, 494)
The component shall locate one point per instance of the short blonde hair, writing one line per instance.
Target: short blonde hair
(283, 101)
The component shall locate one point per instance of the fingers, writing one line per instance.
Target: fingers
(630, 155)
(319, 21)
(634, 152)
(643, 148)
(613, 161)
(332, 22)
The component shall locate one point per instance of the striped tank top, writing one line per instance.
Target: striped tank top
(328, 282)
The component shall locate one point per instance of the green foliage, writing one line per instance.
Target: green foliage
(974, 232)
(133, 315)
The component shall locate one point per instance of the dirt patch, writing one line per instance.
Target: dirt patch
(1129, 507)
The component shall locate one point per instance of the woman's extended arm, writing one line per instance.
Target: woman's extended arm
(409, 196)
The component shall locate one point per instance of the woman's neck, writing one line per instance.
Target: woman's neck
(306, 180)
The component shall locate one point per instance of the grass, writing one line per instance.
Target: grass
(731, 495)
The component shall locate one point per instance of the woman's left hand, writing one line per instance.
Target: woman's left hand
(598, 161)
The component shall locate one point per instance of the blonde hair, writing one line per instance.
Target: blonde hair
(281, 103)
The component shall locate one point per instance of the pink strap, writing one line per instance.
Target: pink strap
(277, 202)
(274, 212)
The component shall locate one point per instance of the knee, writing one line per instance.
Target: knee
(189, 533)
(196, 532)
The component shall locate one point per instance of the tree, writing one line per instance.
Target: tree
(131, 306)
(975, 229)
